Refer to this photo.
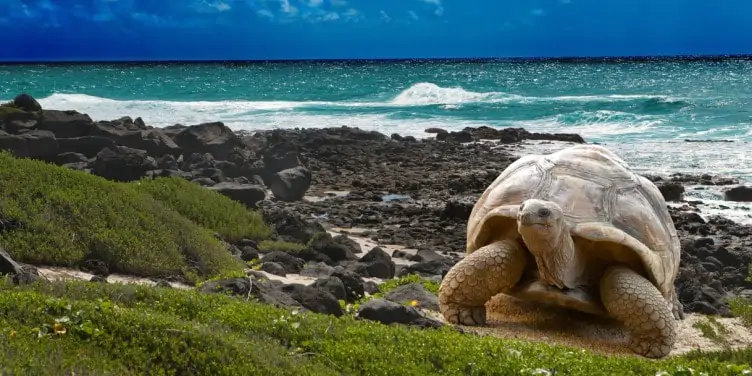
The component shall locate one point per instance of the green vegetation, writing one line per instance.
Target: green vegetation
(392, 284)
(10, 108)
(742, 307)
(389, 285)
(128, 329)
(713, 330)
(68, 216)
(270, 246)
(207, 208)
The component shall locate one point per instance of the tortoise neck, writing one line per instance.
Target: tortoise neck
(558, 261)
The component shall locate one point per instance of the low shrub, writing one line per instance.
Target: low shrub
(67, 216)
(207, 208)
(169, 331)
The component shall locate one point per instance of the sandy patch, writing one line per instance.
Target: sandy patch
(511, 318)
(60, 273)
(366, 244)
(324, 195)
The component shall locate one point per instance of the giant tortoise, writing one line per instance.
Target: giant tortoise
(576, 228)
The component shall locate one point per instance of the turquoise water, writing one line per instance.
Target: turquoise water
(644, 110)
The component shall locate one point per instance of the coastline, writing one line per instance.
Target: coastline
(388, 189)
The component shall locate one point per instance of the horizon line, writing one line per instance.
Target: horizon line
(560, 59)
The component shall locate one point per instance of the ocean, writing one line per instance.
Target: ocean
(643, 110)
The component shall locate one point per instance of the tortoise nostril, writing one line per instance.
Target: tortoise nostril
(544, 212)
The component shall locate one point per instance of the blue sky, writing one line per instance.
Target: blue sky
(351, 29)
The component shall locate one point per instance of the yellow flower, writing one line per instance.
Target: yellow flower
(12, 333)
(414, 303)
(58, 328)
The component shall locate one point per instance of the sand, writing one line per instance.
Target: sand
(62, 273)
(510, 318)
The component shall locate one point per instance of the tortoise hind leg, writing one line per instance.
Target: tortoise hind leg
(482, 274)
(632, 300)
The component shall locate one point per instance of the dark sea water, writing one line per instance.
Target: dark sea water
(642, 110)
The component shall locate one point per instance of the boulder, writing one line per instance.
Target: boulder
(247, 194)
(27, 103)
(387, 312)
(739, 193)
(378, 264)
(65, 124)
(671, 191)
(121, 163)
(89, 146)
(214, 138)
(38, 144)
(290, 184)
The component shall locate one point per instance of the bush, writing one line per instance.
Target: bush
(131, 329)
(392, 284)
(207, 208)
(68, 216)
(271, 246)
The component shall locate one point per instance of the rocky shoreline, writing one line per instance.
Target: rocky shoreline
(390, 189)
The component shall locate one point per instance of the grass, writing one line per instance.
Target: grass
(10, 108)
(207, 208)
(69, 216)
(392, 284)
(91, 328)
(387, 286)
(713, 330)
(270, 246)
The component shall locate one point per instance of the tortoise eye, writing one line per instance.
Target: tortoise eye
(522, 206)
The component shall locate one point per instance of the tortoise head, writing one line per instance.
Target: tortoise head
(546, 234)
(540, 216)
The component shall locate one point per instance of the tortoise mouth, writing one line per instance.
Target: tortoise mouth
(532, 220)
(527, 222)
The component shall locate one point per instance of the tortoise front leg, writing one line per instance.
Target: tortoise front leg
(482, 274)
(632, 300)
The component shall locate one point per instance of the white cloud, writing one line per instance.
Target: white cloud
(412, 14)
(265, 13)
(352, 15)
(315, 3)
(287, 8)
(331, 16)
(437, 3)
(221, 6)
(384, 16)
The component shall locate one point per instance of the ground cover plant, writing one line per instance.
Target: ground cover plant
(207, 208)
(58, 216)
(130, 329)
